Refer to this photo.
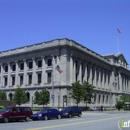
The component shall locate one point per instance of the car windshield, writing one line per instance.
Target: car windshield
(66, 109)
(42, 111)
(5, 109)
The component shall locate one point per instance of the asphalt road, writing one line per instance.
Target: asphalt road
(88, 121)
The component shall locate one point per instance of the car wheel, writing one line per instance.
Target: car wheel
(27, 118)
(45, 118)
(6, 119)
(69, 115)
(79, 115)
(59, 117)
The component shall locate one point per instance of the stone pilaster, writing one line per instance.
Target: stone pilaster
(9, 75)
(16, 77)
(25, 72)
(71, 70)
(2, 79)
(34, 72)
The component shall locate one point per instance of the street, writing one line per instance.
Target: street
(88, 121)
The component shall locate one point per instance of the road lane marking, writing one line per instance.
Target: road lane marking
(76, 123)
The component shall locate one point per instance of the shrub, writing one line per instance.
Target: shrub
(1, 107)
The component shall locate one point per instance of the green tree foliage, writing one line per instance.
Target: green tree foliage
(124, 98)
(3, 96)
(81, 92)
(42, 97)
(20, 96)
(88, 92)
(119, 104)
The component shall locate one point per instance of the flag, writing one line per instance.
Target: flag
(118, 31)
(58, 69)
(114, 84)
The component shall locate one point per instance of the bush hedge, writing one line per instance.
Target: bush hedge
(1, 107)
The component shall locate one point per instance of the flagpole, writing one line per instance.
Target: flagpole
(118, 31)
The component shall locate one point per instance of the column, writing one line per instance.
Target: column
(16, 76)
(80, 74)
(95, 77)
(74, 71)
(106, 83)
(85, 72)
(71, 70)
(97, 99)
(99, 78)
(120, 82)
(25, 72)
(9, 75)
(44, 81)
(34, 72)
(101, 98)
(128, 83)
(90, 74)
(103, 77)
(2, 78)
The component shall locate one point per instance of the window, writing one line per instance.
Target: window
(39, 63)
(39, 76)
(6, 68)
(30, 65)
(30, 79)
(49, 62)
(13, 67)
(6, 81)
(13, 80)
(0, 69)
(21, 79)
(49, 77)
(22, 66)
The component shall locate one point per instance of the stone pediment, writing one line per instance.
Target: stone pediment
(117, 59)
(121, 59)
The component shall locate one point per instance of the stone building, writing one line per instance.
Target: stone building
(30, 68)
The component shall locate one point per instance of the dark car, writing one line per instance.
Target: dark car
(71, 111)
(46, 114)
(15, 114)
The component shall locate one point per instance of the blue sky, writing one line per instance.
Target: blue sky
(92, 23)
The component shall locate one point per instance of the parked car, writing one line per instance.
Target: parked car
(46, 114)
(71, 111)
(15, 114)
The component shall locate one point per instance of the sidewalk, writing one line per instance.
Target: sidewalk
(105, 112)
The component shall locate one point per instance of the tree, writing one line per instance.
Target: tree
(119, 104)
(20, 96)
(124, 98)
(88, 92)
(77, 92)
(42, 97)
(3, 96)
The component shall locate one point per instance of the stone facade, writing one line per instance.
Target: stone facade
(30, 68)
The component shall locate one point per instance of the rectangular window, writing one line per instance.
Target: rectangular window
(21, 79)
(6, 68)
(30, 65)
(0, 69)
(22, 66)
(49, 62)
(30, 79)
(13, 80)
(39, 63)
(13, 67)
(6, 81)
(39, 76)
(49, 77)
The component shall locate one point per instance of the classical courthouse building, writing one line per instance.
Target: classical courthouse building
(30, 68)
